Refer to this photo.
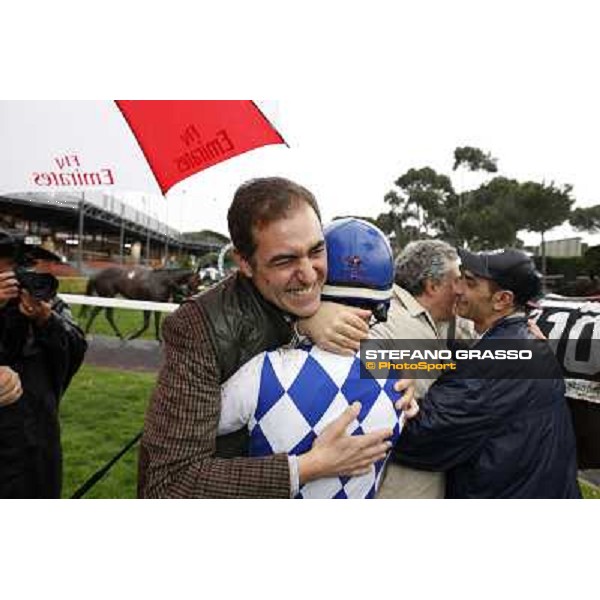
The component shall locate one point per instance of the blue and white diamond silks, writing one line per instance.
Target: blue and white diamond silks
(288, 396)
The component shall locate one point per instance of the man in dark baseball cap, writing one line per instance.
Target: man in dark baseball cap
(495, 432)
(511, 269)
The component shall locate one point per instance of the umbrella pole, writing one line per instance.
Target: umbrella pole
(167, 238)
(81, 224)
(122, 236)
(148, 241)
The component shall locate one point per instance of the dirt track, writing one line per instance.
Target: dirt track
(135, 355)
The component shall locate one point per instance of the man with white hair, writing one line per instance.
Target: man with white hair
(422, 308)
(498, 428)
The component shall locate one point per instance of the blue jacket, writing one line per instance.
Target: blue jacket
(495, 438)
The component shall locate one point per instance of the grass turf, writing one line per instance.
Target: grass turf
(590, 492)
(128, 321)
(102, 410)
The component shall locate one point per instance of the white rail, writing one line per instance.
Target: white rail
(167, 307)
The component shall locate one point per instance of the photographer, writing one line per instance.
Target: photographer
(41, 346)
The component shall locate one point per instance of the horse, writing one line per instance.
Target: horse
(572, 326)
(138, 283)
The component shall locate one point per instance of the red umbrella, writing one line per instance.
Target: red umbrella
(123, 145)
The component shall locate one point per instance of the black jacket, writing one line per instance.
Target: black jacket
(495, 438)
(242, 323)
(46, 359)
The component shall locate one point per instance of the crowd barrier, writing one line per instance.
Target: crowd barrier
(167, 307)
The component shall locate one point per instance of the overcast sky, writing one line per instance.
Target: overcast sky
(349, 152)
(361, 96)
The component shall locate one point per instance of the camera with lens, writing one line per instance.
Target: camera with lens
(42, 286)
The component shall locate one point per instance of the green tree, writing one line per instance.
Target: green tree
(206, 236)
(586, 219)
(210, 259)
(399, 232)
(426, 193)
(489, 215)
(424, 203)
(591, 260)
(543, 207)
(474, 159)
(418, 203)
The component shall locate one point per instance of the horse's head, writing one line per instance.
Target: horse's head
(188, 284)
(180, 283)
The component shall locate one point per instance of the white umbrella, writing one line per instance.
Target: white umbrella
(123, 145)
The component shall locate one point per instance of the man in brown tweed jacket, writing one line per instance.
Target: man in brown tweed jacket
(276, 230)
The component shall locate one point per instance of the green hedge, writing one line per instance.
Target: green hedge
(570, 267)
(72, 285)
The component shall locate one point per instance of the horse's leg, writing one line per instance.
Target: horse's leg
(95, 311)
(110, 319)
(142, 328)
(90, 290)
(157, 325)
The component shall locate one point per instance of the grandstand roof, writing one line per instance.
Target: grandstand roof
(103, 213)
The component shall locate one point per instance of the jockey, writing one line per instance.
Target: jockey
(286, 397)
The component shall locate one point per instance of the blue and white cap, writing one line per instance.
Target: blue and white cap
(360, 266)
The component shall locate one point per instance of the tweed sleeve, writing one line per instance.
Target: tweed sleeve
(177, 453)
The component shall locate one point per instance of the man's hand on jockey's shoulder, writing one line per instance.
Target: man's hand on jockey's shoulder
(337, 328)
(334, 452)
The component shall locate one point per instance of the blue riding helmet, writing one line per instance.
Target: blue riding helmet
(360, 266)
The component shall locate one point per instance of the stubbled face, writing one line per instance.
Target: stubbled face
(475, 301)
(445, 294)
(289, 266)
